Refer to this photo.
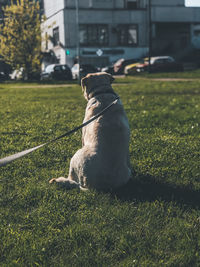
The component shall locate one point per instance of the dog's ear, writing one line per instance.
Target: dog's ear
(111, 78)
(84, 83)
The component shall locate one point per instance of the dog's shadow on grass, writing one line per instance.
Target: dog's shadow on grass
(147, 188)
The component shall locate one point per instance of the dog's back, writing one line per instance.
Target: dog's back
(108, 138)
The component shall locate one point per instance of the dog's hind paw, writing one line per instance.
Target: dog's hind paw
(58, 180)
(67, 183)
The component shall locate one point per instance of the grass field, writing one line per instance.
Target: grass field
(195, 74)
(154, 221)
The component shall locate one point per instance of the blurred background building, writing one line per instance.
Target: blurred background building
(107, 30)
(103, 31)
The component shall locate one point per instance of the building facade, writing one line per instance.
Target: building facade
(102, 31)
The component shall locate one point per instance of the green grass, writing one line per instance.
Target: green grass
(195, 74)
(154, 221)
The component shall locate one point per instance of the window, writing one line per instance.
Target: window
(127, 35)
(197, 33)
(131, 4)
(56, 36)
(90, 34)
(57, 68)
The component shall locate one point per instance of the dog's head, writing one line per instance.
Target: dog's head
(96, 82)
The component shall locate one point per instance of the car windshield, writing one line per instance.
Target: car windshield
(63, 67)
(75, 67)
(152, 61)
(49, 68)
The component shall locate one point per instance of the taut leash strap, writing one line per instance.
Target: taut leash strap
(9, 159)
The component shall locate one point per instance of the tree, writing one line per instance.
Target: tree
(20, 37)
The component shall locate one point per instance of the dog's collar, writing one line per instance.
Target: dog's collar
(92, 92)
(102, 93)
(108, 91)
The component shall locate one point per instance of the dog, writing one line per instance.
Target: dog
(103, 161)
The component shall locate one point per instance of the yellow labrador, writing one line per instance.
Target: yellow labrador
(103, 161)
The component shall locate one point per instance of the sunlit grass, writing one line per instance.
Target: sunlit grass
(195, 74)
(154, 221)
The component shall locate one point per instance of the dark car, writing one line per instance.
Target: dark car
(84, 70)
(120, 64)
(3, 76)
(57, 72)
(160, 64)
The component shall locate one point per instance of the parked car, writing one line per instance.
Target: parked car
(160, 64)
(57, 72)
(17, 74)
(120, 64)
(131, 68)
(84, 70)
(3, 76)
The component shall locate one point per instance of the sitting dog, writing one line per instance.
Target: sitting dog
(103, 161)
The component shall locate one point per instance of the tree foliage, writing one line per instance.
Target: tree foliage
(20, 37)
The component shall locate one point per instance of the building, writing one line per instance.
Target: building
(175, 28)
(102, 31)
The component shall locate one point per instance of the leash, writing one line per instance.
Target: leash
(9, 159)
